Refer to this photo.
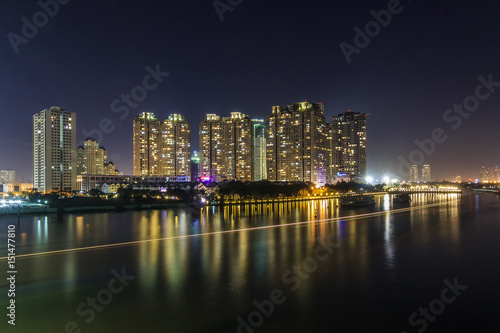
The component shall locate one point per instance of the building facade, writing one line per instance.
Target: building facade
(297, 143)
(414, 174)
(54, 150)
(162, 148)
(259, 149)
(226, 148)
(146, 135)
(426, 173)
(211, 148)
(237, 145)
(195, 166)
(175, 148)
(348, 154)
(92, 159)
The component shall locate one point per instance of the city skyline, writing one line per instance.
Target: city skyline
(408, 85)
(342, 147)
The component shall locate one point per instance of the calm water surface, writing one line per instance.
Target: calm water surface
(215, 269)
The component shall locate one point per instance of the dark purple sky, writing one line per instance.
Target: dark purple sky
(264, 53)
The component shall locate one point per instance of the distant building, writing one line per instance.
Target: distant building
(92, 159)
(426, 173)
(111, 183)
(348, 145)
(195, 166)
(414, 174)
(7, 176)
(259, 144)
(54, 143)
(296, 143)
(17, 187)
(490, 174)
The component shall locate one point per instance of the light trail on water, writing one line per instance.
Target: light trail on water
(294, 224)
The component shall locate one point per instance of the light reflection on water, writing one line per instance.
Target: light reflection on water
(231, 268)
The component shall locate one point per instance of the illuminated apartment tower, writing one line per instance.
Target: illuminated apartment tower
(259, 148)
(237, 147)
(146, 136)
(280, 152)
(54, 150)
(92, 159)
(296, 143)
(175, 148)
(426, 173)
(414, 174)
(211, 147)
(348, 146)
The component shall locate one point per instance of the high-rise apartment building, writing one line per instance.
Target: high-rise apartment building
(162, 149)
(175, 148)
(146, 136)
(296, 143)
(237, 138)
(348, 145)
(54, 150)
(414, 174)
(259, 148)
(281, 152)
(92, 159)
(226, 147)
(426, 173)
(211, 147)
(7, 176)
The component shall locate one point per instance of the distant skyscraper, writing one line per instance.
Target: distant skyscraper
(175, 148)
(296, 143)
(490, 174)
(414, 174)
(348, 145)
(7, 176)
(146, 135)
(54, 150)
(211, 149)
(195, 166)
(259, 144)
(426, 173)
(92, 159)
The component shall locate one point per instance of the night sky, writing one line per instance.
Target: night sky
(263, 53)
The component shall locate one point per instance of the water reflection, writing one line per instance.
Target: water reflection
(234, 266)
